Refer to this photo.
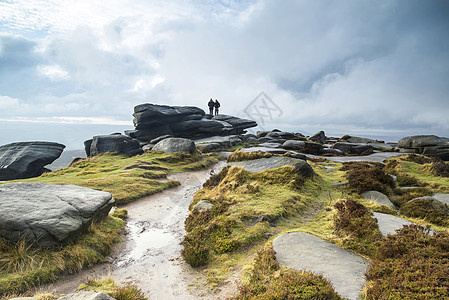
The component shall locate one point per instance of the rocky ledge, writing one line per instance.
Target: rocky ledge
(429, 145)
(47, 215)
(27, 159)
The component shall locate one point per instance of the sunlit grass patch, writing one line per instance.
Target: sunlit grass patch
(416, 170)
(23, 267)
(246, 205)
(109, 286)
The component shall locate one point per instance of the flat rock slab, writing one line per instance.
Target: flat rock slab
(388, 224)
(303, 251)
(444, 198)
(261, 164)
(48, 215)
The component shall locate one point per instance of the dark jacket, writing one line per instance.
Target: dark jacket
(217, 104)
(211, 103)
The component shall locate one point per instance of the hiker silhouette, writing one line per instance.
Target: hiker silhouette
(211, 105)
(217, 106)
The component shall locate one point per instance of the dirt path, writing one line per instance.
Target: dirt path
(150, 255)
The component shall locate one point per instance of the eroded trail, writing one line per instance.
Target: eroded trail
(150, 255)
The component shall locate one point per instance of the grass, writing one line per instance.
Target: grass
(364, 176)
(428, 210)
(412, 264)
(417, 170)
(107, 285)
(240, 155)
(23, 267)
(128, 178)
(246, 205)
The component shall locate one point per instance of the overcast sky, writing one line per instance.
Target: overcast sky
(73, 69)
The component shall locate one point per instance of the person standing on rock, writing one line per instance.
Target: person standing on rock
(217, 106)
(211, 105)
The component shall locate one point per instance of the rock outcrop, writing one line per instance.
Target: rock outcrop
(152, 121)
(27, 159)
(429, 145)
(170, 145)
(112, 143)
(47, 215)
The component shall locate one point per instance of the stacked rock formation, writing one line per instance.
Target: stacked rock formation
(27, 159)
(152, 121)
(429, 145)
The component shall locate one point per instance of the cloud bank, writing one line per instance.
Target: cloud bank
(362, 67)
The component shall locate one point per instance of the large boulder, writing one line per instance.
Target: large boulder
(152, 121)
(176, 144)
(430, 145)
(354, 148)
(115, 143)
(27, 159)
(319, 137)
(47, 215)
(306, 147)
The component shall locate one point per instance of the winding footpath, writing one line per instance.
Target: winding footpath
(150, 255)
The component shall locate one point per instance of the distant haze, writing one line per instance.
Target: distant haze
(73, 69)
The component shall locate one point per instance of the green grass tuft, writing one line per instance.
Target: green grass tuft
(23, 267)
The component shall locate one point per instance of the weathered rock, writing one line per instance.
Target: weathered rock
(176, 144)
(267, 139)
(430, 145)
(357, 140)
(443, 198)
(152, 121)
(203, 205)
(238, 125)
(294, 145)
(319, 137)
(86, 295)
(303, 251)
(115, 143)
(388, 224)
(47, 215)
(257, 165)
(148, 115)
(160, 138)
(217, 142)
(354, 148)
(421, 141)
(306, 147)
(332, 151)
(280, 135)
(27, 159)
(378, 198)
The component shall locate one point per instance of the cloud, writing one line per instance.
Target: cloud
(340, 66)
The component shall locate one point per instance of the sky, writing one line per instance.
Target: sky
(70, 70)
